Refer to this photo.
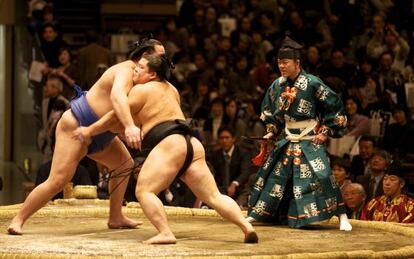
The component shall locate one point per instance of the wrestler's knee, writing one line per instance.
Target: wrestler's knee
(210, 197)
(138, 193)
(141, 189)
(67, 121)
(56, 184)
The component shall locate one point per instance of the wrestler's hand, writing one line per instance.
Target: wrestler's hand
(319, 139)
(83, 135)
(133, 137)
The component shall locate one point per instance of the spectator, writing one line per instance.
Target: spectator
(397, 45)
(339, 17)
(260, 48)
(312, 63)
(354, 198)
(341, 170)
(213, 123)
(68, 72)
(241, 79)
(376, 36)
(52, 93)
(183, 67)
(399, 136)
(254, 127)
(360, 162)
(199, 102)
(203, 72)
(49, 18)
(231, 164)
(267, 27)
(372, 182)
(298, 29)
(244, 28)
(50, 45)
(339, 68)
(358, 124)
(222, 74)
(231, 118)
(211, 24)
(196, 29)
(391, 82)
(393, 206)
(370, 93)
(90, 58)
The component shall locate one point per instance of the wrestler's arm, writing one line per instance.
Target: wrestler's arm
(104, 124)
(119, 97)
(110, 119)
(84, 134)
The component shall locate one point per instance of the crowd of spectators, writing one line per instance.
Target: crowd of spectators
(224, 54)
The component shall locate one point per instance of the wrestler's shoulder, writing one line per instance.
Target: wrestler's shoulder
(122, 65)
(142, 88)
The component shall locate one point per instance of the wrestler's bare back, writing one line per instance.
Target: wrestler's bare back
(99, 95)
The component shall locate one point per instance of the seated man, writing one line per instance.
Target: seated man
(393, 206)
(231, 164)
(354, 198)
(372, 181)
(109, 92)
(360, 162)
(171, 149)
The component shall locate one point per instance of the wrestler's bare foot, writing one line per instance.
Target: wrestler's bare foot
(251, 238)
(163, 239)
(123, 222)
(15, 227)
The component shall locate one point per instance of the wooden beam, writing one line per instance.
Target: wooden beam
(147, 9)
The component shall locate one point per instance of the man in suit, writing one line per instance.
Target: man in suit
(360, 162)
(372, 182)
(231, 164)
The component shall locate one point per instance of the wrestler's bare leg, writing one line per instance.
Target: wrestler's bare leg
(201, 181)
(66, 156)
(157, 173)
(117, 158)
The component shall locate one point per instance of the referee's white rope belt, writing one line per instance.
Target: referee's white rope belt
(306, 125)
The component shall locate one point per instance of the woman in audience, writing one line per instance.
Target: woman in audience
(341, 170)
(358, 124)
(231, 117)
(67, 71)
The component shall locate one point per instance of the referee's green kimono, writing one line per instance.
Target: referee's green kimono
(316, 196)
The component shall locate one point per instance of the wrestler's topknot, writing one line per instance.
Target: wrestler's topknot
(145, 45)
